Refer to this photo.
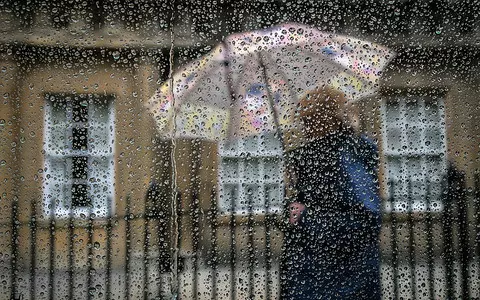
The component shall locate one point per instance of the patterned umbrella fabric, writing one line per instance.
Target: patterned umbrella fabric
(250, 84)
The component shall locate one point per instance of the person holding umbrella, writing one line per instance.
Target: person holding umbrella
(249, 85)
(331, 244)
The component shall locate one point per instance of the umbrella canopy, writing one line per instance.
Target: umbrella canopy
(250, 83)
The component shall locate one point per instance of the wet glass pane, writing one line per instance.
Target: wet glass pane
(230, 168)
(239, 149)
(252, 170)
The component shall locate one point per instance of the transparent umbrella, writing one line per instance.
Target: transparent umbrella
(251, 82)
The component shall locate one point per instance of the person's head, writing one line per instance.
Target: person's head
(324, 111)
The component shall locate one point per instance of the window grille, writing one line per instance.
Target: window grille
(414, 147)
(251, 175)
(79, 131)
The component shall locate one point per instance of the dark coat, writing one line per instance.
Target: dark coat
(333, 253)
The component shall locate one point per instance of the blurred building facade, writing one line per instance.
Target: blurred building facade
(86, 182)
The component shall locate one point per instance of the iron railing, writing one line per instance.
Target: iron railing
(427, 254)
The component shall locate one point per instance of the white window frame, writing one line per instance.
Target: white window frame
(55, 205)
(401, 204)
(237, 150)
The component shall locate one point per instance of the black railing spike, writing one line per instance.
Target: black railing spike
(146, 253)
(233, 248)
(127, 247)
(448, 238)
(453, 220)
(214, 254)
(268, 249)
(393, 224)
(195, 215)
(108, 255)
(476, 203)
(90, 269)
(250, 245)
(411, 237)
(33, 248)
(51, 273)
(430, 252)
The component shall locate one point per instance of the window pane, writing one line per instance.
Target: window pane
(432, 111)
(413, 111)
(414, 137)
(395, 169)
(229, 196)
(434, 139)
(86, 179)
(99, 110)
(100, 169)
(253, 199)
(418, 156)
(80, 167)
(272, 169)
(270, 142)
(80, 111)
(99, 138)
(273, 197)
(252, 170)
(230, 168)
(394, 139)
(250, 144)
(393, 112)
(79, 138)
(80, 195)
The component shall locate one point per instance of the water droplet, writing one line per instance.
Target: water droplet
(116, 55)
(3, 162)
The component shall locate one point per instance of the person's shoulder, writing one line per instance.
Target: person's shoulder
(360, 145)
(368, 149)
(302, 148)
(367, 144)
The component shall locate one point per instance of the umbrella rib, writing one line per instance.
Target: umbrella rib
(270, 99)
(229, 82)
(207, 74)
(292, 95)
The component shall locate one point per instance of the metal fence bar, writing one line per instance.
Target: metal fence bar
(71, 242)
(33, 248)
(393, 237)
(108, 255)
(127, 247)
(411, 238)
(195, 212)
(180, 261)
(214, 254)
(51, 273)
(476, 203)
(268, 248)
(195, 215)
(430, 252)
(14, 245)
(164, 260)
(464, 244)
(232, 247)
(146, 255)
(448, 239)
(90, 270)
(250, 245)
